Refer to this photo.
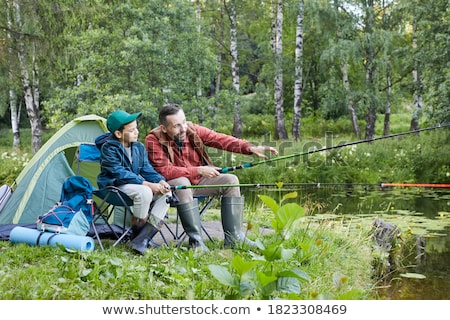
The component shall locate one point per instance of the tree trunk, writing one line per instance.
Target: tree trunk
(387, 113)
(280, 128)
(298, 88)
(15, 111)
(417, 86)
(219, 55)
(31, 95)
(198, 13)
(237, 123)
(216, 87)
(15, 118)
(350, 101)
(370, 72)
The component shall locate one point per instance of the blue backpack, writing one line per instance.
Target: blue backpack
(75, 210)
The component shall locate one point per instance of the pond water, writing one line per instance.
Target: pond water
(422, 214)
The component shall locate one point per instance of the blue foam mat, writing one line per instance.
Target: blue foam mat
(37, 238)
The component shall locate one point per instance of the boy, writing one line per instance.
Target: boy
(124, 164)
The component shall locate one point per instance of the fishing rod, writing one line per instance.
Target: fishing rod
(195, 186)
(252, 164)
(261, 185)
(311, 185)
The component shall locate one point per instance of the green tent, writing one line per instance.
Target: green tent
(38, 187)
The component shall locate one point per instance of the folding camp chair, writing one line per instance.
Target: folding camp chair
(112, 201)
(206, 201)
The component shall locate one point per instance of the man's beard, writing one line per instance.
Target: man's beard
(179, 138)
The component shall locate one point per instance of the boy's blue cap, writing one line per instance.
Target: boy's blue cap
(119, 118)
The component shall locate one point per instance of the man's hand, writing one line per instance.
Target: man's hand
(208, 172)
(260, 151)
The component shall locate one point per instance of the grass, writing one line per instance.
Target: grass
(338, 266)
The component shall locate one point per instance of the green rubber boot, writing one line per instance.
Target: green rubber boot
(190, 219)
(232, 211)
(142, 236)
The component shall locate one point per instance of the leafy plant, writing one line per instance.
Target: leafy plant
(263, 275)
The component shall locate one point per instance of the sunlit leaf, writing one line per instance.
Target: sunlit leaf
(289, 285)
(272, 252)
(248, 283)
(290, 195)
(295, 273)
(241, 266)
(222, 275)
(287, 254)
(268, 201)
(265, 278)
(246, 288)
(286, 216)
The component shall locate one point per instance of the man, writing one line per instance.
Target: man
(124, 164)
(176, 149)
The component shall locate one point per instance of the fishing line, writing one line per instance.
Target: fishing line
(419, 185)
(252, 164)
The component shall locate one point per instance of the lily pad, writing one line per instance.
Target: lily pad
(411, 275)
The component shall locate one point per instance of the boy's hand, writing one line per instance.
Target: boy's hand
(161, 187)
(164, 187)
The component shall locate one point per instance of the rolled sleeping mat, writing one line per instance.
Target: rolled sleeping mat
(38, 238)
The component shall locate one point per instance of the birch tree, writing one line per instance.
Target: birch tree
(13, 101)
(298, 85)
(280, 128)
(370, 67)
(345, 49)
(237, 123)
(26, 53)
(387, 113)
(387, 49)
(350, 101)
(429, 60)
(417, 81)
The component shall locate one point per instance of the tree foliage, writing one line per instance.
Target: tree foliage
(96, 56)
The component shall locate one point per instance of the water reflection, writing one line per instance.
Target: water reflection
(424, 213)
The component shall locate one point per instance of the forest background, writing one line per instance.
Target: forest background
(264, 70)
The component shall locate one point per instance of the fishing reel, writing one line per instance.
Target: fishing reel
(172, 200)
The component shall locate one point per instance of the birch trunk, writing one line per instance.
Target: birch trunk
(216, 89)
(198, 13)
(417, 86)
(237, 123)
(31, 95)
(15, 111)
(298, 88)
(370, 72)
(219, 55)
(280, 129)
(350, 101)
